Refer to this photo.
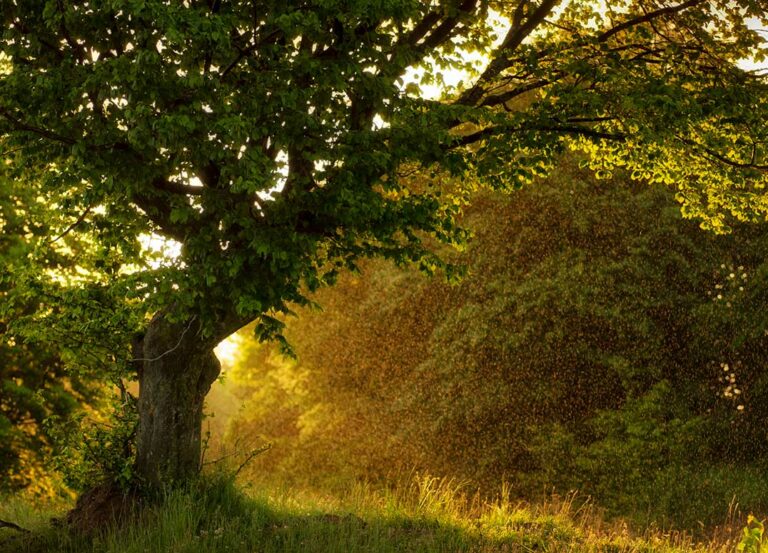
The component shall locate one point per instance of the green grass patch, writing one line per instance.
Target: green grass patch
(431, 516)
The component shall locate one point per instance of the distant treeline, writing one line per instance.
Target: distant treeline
(599, 342)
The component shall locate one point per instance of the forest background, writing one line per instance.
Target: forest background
(599, 343)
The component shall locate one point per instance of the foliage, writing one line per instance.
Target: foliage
(35, 381)
(300, 129)
(653, 468)
(752, 541)
(97, 446)
(578, 353)
(34, 386)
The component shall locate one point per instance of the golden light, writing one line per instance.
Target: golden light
(227, 350)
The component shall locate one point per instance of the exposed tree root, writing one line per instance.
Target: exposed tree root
(101, 507)
(12, 526)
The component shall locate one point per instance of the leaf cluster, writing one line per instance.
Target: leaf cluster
(269, 140)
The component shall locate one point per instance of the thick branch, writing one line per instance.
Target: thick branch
(429, 33)
(177, 187)
(715, 156)
(77, 50)
(515, 37)
(565, 128)
(24, 30)
(299, 176)
(158, 210)
(518, 34)
(443, 31)
(422, 28)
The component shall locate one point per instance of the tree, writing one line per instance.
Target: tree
(278, 143)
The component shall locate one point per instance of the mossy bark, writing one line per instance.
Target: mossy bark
(176, 370)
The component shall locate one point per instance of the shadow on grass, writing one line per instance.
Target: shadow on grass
(216, 517)
(270, 531)
(221, 520)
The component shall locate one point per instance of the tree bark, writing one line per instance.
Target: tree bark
(176, 370)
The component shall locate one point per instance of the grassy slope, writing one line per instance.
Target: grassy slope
(435, 518)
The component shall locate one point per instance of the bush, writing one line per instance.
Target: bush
(582, 351)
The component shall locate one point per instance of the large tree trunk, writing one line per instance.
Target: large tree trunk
(176, 370)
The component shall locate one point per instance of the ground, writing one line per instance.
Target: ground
(431, 516)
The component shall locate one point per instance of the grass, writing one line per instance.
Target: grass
(432, 516)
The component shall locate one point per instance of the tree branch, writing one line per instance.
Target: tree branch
(80, 219)
(13, 526)
(504, 97)
(443, 31)
(45, 133)
(159, 212)
(515, 37)
(650, 16)
(715, 156)
(177, 188)
(78, 51)
(243, 52)
(564, 128)
(431, 31)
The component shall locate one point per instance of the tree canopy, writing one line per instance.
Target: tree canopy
(274, 140)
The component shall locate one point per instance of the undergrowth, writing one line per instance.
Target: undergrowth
(431, 515)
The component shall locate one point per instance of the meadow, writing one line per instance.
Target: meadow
(429, 516)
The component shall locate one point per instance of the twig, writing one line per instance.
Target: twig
(45, 133)
(174, 348)
(250, 456)
(72, 226)
(13, 150)
(125, 395)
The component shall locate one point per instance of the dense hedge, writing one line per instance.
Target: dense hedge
(599, 342)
